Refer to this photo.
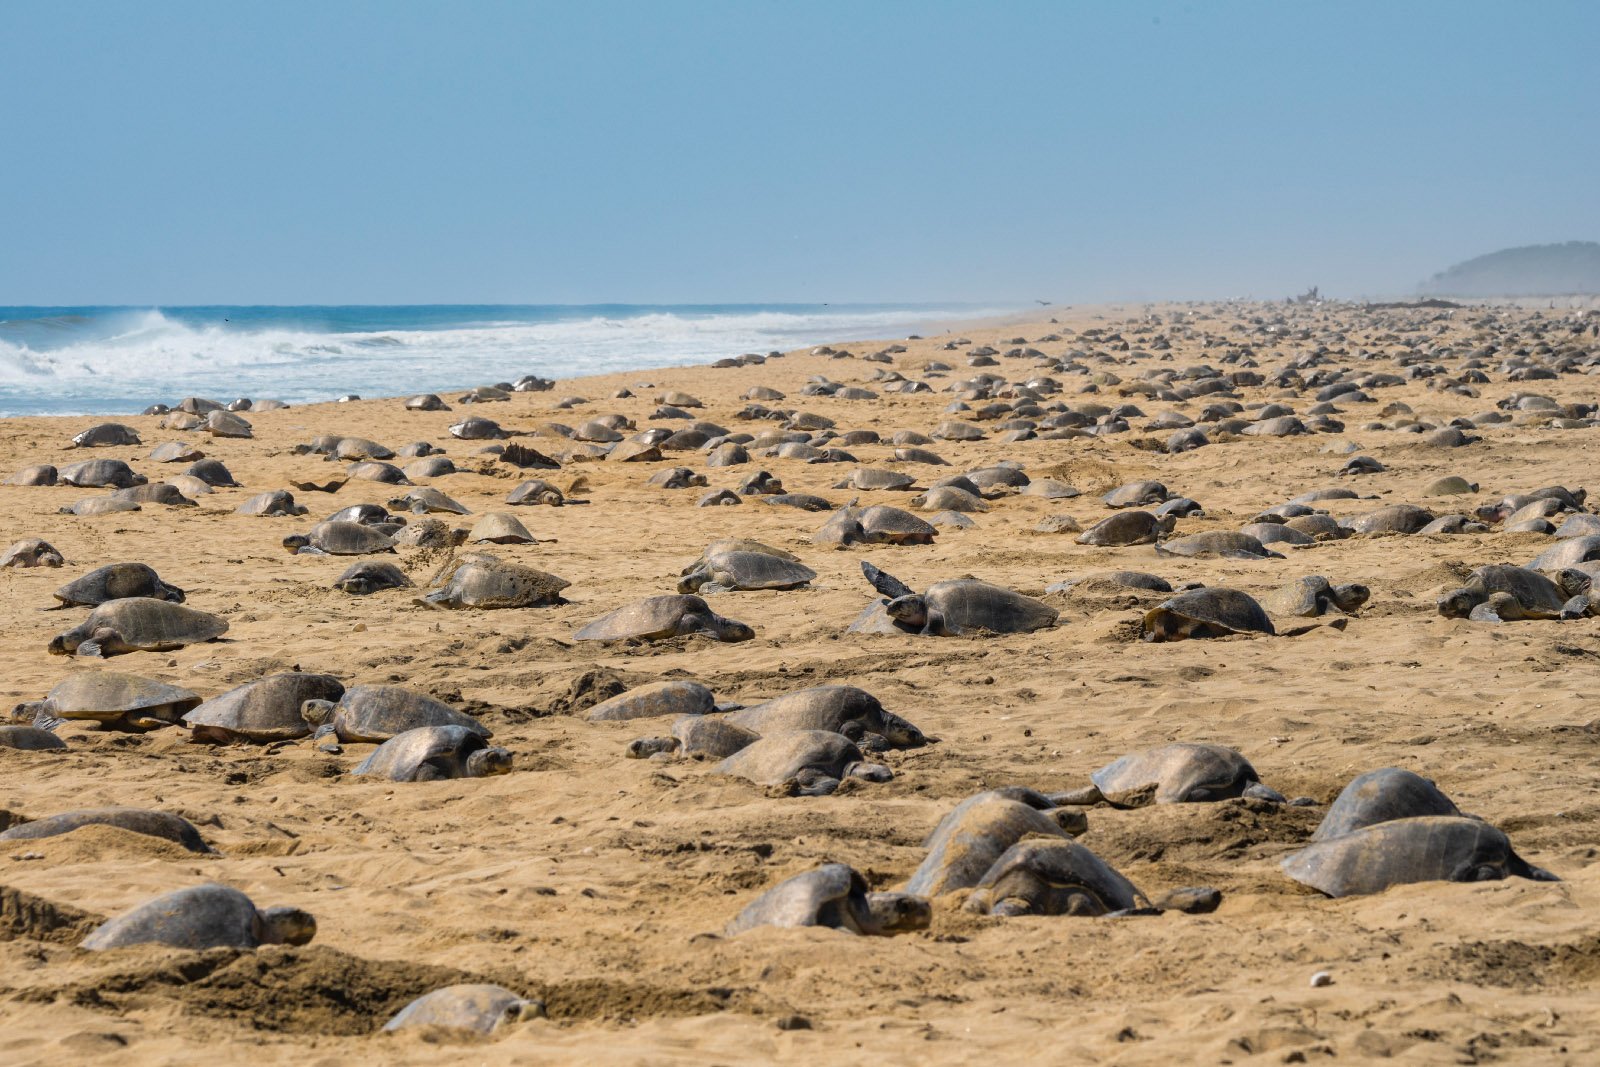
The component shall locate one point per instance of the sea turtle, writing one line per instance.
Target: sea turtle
(426, 402)
(1208, 612)
(29, 739)
(100, 473)
(882, 525)
(106, 434)
(657, 618)
(958, 606)
(719, 498)
(137, 624)
(536, 491)
(1451, 485)
(1050, 489)
(262, 711)
(978, 831)
(271, 503)
(1569, 553)
(1277, 533)
(487, 583)
(674, 697)
(476, 429)
(1128, 528)
(705, 736)
(368, 713)
(1382, 795)
(38, 474)
(843, 709)
(1179, 773)
(201, 917)
(117, 581)
(478, 1008)
(1053, 878)
(1226, 544)
(116, 701)
(99, 505)
(32, 552)
(836, 896)
(371, 576)
(426, 500)
(429, 533)
(498, 528)
(213, 473)
(948, 498)
(677, 478)
(1394, 519)
(1112, 582)
(725, 570)
(434, 753)
(1314, 596)
(875, 479)
(227, 424)
(1135, 495)
(339, 537)
(1433, 848)
(429, 467)
(162, 824)
(803, 762)
(1530, 594)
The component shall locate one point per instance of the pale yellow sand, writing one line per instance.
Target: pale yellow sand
(591, 880)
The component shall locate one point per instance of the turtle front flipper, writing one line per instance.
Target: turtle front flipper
(1257, 791)
(810, 782)
(886, 584)
(103, 642)
(651, 747)
(1087, 797)
(869, 772)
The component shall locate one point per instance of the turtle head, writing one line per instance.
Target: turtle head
(66, 644)
(295, 542)
(646, 747)
(287, 926)
(1167, 523)
(694, 579)
(911, 610)
(898, 913)
(317, 712)
(900, 733)
(171, 593)
(1348, 598)
(729, 629)
(1459, 604)
(489, 761)
(1573, 582)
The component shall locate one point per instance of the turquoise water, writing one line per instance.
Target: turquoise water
(118, 360)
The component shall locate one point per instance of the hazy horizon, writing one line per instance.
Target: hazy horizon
(181, 155)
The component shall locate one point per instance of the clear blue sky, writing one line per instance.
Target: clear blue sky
(332, 152)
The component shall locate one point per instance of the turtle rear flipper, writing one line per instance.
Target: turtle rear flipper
(886, 584)
(44, 717)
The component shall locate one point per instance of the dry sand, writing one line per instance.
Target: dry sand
(596, 882)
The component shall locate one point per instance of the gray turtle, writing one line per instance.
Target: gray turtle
(1225, 544)
(1435, 848)
(176, 452)
(272, 503)
(117, 581)
(429, 533)
(428, 499)
(114, 700)
(1569, 553)
(674, 697)
(960, 605)
(1382, 795)
(882, 525)
(836, 896)
(1314, 596)
(1394, 519)
(536, 491)
(38, 474)
(1135, 495)
(488, 583)
(371, 576)
(99, 505)
(32, 552)
(1275, 533)
(702, 736)
(435, 753)
(1053, 878)
(1526, 593)
(978, 831)
(803, 762)
(137, 624)
(263, 711)
(723, 571)
(874, 479)
(1179, 773)
(498, 528)
(1209, 612)
(368, 713)
(339, 537)
(478, 1008)
(201, 917)
(677, 478)
(948, 498)
(100, 474)
(29, 739)
(160, 824)
(1128, 528)
(843, 709)
(1112, 582)
(658, 618)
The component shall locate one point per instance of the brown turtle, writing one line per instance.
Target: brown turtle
(486, 583)
(371, 576)
(117, 581)
(160, 824)
(379, 712)
(1382, 795)
(114, 700)
(843, 709)
(968, 840)
(477, 1009)
(1054, 878)
(1179, 773)
(29, 739)
(1208, 612)
(262, 711)
(32, 552)
(803, 762)
(1128, 528)
(1314, 596)
(701, 736)
(722, 570)
(958, 606)
(675, 697)
(339, 537)
(435, 753)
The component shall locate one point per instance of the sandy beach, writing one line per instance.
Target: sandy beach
(601, 885)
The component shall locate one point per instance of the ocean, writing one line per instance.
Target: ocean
(119, 360)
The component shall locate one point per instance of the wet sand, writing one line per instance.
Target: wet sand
(600, 884)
